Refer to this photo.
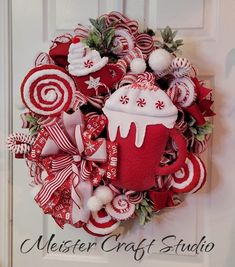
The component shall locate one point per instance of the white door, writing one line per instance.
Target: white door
(207, 26)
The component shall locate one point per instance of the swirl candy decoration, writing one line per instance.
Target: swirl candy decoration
(48, 90)
(120, 208)
(191, 177)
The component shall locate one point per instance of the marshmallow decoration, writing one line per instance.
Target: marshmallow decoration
(160, 61)
(104, 194)
(101, 224)
(191, 177)
(116, 125)
(94, 203)
(138, 65)
(47, 90)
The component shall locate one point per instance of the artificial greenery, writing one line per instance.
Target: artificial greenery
(200, 132)
(144, 210)
(101, 36)
(168, 40)
(34, 127)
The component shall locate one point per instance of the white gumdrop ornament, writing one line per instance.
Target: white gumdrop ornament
(138, 65)
(160, 60)
(104, 194)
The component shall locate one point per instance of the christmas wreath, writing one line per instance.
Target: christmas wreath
(116, 123)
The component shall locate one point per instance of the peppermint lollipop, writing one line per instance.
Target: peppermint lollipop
(120, 208)
(101, 224)
(191, 177)
(47, 90)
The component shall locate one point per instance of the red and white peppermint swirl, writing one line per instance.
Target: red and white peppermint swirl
(124, 99)
(191, 177)
(101, 224)
(181, 67)
(134, 197)
(187, 93)
(141, 102)
(120, 208)
(145, 43)
(20, 143)
(43, 59)
(159, 104)
(48, 90)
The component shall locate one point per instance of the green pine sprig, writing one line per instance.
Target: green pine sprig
(34, 127)
(168, 40)
(144, 210)
(200, 132)
(101, 36)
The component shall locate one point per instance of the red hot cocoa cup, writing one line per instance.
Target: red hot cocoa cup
(141, 119)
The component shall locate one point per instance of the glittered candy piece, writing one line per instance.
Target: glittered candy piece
(120, 208)
(47, 90)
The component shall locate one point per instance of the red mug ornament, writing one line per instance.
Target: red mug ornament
(141, 120)
(92, 74)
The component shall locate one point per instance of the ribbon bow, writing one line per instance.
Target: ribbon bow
(202, 107)
(77, 162)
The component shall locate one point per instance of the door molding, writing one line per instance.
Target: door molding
(6, 119)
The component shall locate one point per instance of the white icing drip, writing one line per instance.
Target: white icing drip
(122, 121)
(122, 113)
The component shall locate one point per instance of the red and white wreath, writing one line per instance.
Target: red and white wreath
(117, 122)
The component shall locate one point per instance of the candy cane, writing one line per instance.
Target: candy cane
(20, 143)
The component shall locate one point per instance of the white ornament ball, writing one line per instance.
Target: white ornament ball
(138, 65)
(35, 190)
(160, 60)
(104, 194)
(94, 204)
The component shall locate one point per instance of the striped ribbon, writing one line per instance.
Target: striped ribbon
(70, 164)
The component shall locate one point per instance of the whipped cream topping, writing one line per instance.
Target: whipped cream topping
(142, 107)
(83, 61)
